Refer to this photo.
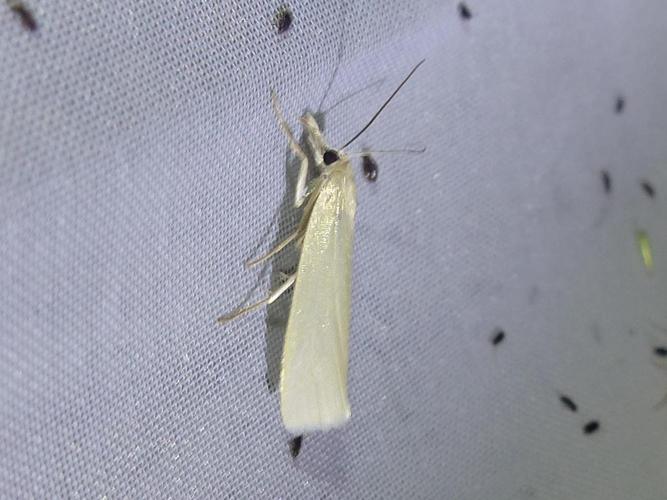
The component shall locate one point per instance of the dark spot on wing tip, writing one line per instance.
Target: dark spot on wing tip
(619, 106)
(27, 19)
(648, 188)
(660, 351)
(295, 446)
(464, 11)
(568, 403)
(283, 19)
(591, 427)
(497, 337)
(370, 167)
(606, 180)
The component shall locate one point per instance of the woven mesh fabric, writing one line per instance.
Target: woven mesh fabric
(141, 164)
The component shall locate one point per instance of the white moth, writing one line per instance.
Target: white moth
(313, 376)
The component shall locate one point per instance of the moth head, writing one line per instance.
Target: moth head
(330, 156)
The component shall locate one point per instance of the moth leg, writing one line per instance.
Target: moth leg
(315, 138)
(300, 191)
(274, 250)
(268, 300)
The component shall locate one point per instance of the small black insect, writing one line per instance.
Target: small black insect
(648, 188)
(370, 167)
(620, 105)
(660, 351)
(606, 180)
(295, 446)
(591, 427)
(464, 11)
(283, 19)
(498, 337)
(27, 19)
(568, 403)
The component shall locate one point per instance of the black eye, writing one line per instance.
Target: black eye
(330, 156)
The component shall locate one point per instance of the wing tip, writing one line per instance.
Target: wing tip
(303, 424)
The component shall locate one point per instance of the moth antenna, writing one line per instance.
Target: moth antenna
(375, 151)
(371, 85)
(384, 105)
(341, 48)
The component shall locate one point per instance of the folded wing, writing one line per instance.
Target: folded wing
(313, 381)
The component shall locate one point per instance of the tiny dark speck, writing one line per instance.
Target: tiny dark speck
(648, 188)
(660, 351)
(591, 427)
(568, 403)
(370, 168)
(283, 19)
(606, 181)
(498, 337)
(295, 446)
(464, 11)
(620, 105)
(25, 15)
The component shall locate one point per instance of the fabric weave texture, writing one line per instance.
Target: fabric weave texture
(141, 165)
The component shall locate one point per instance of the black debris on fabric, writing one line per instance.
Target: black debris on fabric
(660, 351)
(606, 180)
(648, 188)
(464, 11)
(591, 427)
(620, 105)
(283, 19)
(27, 19)
(295, 446)
(568, 403)
(498, 337)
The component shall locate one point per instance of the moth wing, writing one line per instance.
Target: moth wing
(313, 381)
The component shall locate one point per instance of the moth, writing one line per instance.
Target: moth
(313, 374)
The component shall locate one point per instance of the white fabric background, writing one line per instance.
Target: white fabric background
(140, 165)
